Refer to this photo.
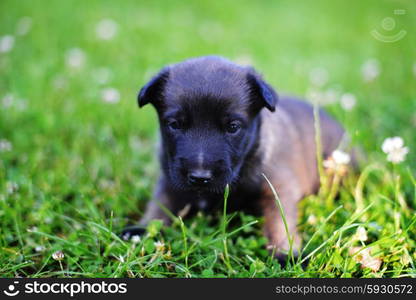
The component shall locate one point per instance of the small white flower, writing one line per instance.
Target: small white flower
(312, 220)
(7, 100)
(135, 239)
(23, 25)
(337, 162)
(331, 95)
(160, 246)
(11, 187)
(318, 76)
(398, 155)
(102, 75)
(364, 257)
(390, 144)
(370, 69)
(361, 234)
(348, 101)
(75, 58)
(5, 145)
(39, 248)
(395, 150)
(33, 229)
(110, 95)
(58, 255)
(341, 158)
(106, 29)
(6, 43)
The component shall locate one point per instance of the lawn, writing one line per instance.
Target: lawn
(77, 157)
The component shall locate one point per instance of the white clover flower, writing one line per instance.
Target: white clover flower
(39, 248)
(312, 220)
(160, 246)
(363, 256)
(395, 150)
(32, 229)
(370, 69)
(58, 255)
(331, 95)
(110, 95)
(23, 25)
(318, 76)
(348, 101)
(341, 158)
(7, 100)
(135, 239)
(106, 29)
(361, 234)
(75, 58)
(390, 144)
(337, 162)
(6, 43)
(5, 145)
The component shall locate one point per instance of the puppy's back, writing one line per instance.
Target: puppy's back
(289, 141)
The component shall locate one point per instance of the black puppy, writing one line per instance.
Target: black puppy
(219, 126)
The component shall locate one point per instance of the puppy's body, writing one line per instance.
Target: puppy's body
(280, 144)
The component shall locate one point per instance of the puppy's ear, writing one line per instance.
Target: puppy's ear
(262, 93)
(152, 91)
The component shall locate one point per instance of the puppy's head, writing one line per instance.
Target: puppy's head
(208, 111)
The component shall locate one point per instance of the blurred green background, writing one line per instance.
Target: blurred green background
(74, 147)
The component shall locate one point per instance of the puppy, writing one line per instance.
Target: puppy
(221, 123)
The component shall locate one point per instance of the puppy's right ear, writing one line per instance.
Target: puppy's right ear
(152, 91)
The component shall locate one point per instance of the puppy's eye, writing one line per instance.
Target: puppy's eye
(174, 124)
(233, 127)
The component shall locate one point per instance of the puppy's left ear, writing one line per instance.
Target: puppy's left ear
(262, 93)
(152, 91)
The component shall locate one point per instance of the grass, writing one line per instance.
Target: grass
(79, 169)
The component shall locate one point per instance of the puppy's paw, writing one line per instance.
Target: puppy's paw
(135, 230)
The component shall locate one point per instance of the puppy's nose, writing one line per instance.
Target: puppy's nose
(199, 177)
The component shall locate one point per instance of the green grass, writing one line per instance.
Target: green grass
(85, 168)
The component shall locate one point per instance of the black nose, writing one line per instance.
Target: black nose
(199, 177)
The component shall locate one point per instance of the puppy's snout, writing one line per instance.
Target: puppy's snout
(199, 177)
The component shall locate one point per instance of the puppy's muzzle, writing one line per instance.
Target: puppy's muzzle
(199, 177)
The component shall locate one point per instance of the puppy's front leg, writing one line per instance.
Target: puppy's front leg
(161, 198)
(289, 193)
